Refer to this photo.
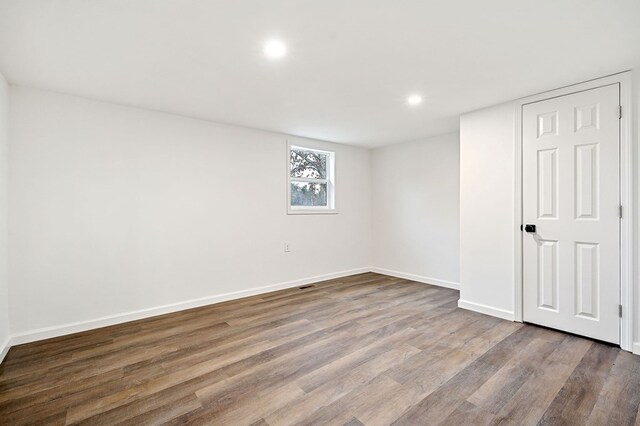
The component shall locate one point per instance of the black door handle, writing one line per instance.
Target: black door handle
(530, 228)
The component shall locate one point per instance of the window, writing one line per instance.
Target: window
(311, 185)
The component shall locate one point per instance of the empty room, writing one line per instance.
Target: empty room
(297, 212)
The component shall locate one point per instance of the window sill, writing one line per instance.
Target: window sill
(311, 211)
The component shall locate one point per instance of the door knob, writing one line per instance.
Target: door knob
(530, 228)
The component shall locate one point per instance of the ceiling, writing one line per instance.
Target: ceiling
(350, 64)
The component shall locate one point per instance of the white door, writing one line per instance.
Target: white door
(570, 187)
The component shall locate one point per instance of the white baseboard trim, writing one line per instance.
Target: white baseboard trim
(418, 278)
(487, 310)
(636, 348)
(4, 349)
(62, 330)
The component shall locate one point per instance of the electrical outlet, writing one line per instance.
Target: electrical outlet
(287, 248)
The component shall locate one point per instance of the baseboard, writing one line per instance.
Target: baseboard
(4, 349)
(487, 310)
(418, 278)
(636, 348)
(62, 330)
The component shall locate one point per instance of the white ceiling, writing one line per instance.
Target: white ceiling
(350, 67)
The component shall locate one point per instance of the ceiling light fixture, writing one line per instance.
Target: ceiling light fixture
(414, 100)
(275, 49)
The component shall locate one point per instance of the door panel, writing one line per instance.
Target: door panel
(548, 183)
(587, 282)
(571, 264)
(548, 275)
(586, 181)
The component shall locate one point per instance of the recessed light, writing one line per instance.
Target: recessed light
(275, 49)
(414, 99)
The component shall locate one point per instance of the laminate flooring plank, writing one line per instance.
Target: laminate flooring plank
(368, 349)
(577, 398)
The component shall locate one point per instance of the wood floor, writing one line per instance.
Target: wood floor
(367, 349)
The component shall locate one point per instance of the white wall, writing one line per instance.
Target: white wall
(416, 210)
(486, 209)
(636, 148)
(4, 290)
(487, 228)
(116, 209)
(126, 209)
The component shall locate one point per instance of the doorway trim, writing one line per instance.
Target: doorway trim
(626, 196)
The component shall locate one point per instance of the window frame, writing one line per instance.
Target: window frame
(330, 208)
